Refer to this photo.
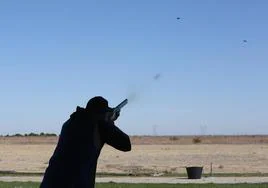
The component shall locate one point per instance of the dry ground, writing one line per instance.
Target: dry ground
(153, 140)
(149, 155)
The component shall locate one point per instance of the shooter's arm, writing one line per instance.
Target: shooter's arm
(116, 138)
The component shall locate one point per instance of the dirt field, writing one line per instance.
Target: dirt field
(153, 155)
(153, 140)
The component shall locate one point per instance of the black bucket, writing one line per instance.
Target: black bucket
(194, 172)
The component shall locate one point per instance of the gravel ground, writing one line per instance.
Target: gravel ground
(172, 180)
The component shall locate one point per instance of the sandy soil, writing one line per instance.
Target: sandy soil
(153, 159)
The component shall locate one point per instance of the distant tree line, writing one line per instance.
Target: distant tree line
(30, 134)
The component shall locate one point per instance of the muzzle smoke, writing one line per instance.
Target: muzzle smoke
(134, 95)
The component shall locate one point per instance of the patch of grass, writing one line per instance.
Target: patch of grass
(123, 185)
(115, 185)
(19, 185)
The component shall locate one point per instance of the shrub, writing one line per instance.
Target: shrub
(51, 134)
(173, 138)
(42, 134)
(18, 135)
(33, 134)
(197, 140)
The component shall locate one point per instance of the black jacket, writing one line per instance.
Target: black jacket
(74, 161)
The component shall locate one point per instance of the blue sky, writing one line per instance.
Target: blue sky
(55, 56)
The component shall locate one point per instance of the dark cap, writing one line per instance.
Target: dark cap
(98, 104)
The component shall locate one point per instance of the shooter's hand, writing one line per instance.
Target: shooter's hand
(115, 116)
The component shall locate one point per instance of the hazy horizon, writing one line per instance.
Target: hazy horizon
(146, 135)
